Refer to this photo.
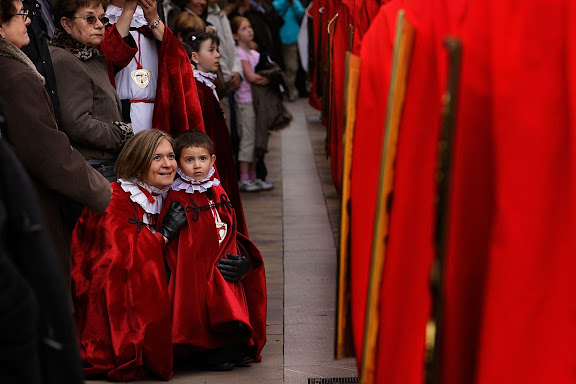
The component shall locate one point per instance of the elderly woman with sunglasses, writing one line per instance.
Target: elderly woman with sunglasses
(90, 110)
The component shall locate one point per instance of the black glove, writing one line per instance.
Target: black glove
(174, 219)
(233, 268)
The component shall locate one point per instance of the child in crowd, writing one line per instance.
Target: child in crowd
(206, 58)
(246, 118)
(220, 321)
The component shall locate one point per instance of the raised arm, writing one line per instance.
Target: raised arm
(151, 15)
(123, 23)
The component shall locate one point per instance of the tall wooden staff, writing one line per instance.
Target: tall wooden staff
(400, 63)
(327, 99)
(443, 177)
(344, 345)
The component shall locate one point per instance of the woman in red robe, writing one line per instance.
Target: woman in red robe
(119, 284)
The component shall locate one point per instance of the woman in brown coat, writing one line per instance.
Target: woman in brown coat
(90, 110)
(59, 172)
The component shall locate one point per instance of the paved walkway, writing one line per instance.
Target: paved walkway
(295, 227)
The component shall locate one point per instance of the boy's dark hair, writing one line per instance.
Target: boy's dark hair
(192, 138)
(195, 40)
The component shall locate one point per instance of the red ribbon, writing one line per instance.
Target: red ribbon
(148, 195)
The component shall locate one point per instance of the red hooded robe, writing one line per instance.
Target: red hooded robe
(338, 68)
(404, 295)
(358, 14)
(120, 293)
(370, 118)
(516, 152)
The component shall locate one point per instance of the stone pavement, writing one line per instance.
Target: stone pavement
(296, 227)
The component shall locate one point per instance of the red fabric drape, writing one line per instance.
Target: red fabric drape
(176, 105)
(516, 133)
(120, 295)
(370, 118)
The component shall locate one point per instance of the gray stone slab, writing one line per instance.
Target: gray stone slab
(300, 374)
(310, 270)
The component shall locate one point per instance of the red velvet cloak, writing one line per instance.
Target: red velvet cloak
(338, 71)
(120, 294)
(405, 292)
(359, 15)
(514, 211)
(471, 205)
(370, 118)
(176, 105)
(313, 25)
(321, 12)
(217, 129)
(202, 301)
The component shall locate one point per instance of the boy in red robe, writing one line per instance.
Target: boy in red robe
(217, 285)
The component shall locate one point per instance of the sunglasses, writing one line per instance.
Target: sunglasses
(92, 19)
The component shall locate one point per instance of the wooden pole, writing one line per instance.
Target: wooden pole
(400, 64)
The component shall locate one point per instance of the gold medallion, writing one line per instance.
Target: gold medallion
(141, 77)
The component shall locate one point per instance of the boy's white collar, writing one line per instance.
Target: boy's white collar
(190, 185)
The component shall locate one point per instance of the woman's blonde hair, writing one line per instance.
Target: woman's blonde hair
(187, 23)
(136, 157)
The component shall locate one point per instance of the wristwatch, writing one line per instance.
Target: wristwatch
(155, 23)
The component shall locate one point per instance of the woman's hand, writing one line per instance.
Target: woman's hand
(151, 14)
(173, 221)
(150, 10)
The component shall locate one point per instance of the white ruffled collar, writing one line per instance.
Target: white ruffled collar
(138, 20)
(190, 185)
(136, 189)
(206, 78)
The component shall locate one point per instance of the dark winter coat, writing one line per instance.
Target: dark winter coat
(37, 343)
(59, 172)
(37, 50)
(271, 113)
(89, 104)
